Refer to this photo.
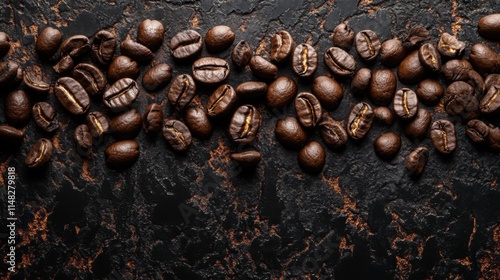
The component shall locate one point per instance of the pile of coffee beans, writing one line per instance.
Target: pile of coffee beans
(472, 92)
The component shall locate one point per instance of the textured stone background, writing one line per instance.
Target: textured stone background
(197, 216)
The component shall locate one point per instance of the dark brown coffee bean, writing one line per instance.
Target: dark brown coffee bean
(122, 154)
(222, 101)
(17, 108)
(280, 92)
(383, 87)
(262, 68)
(450, 46)
(333, 133)
(186, 45)
(360, 120)
(340, 62)
(150, 34)
(219, 38)
(72, 95)
(282, 46)
(493, 139)
(343, 36)
(210, 70)
(405, 104)
(290, 134)
(64, 65)
(476, 81)
(177, 135)
(4, 43)
(489, 27)
(241, 54)
(410, 70)
(98, 124)
(367, 44)
(18, 79)
(34, 83)
(121, 94)
(39, 154)
(392, 52)
(83, 140)
(417, 128)
(430, 57)
(416, 36)
(245, 124)
(456, 70)
(157, 77)
(247, 159)
(429, 92)
(48, 42)
(492, 80)
(90, 77)
(126, 125)
(10, 135)
(75, 46)
(328, 91)
(45, 116)
(123, 67)
(477, 131)
(443, 136)
(153, 119)
(459, 100)
(305, 60)
(384, 115)
(387, 145)
(417, 160)
(136, 51)
(312, 157)
(103, 47)
(8, 73)
(182, 91)
(484, 59)
(308, 109)
(251, 90)
(360, 83)
(491, 100)
(198, 122)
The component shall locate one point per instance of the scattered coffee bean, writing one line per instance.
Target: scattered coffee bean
(136, 51)
(360, 83)
(360, 120)
(459, 100)
(4, 44)
(39, 154)
(64, 65)
(47, 42)
(245, 124)
(98, 124)
(219, 38)
(122, 154)
(241, 54)
(333, 133)
(443, 136)
(343, 36)
(251, 90)
(72, 95)
(10, 135)
(476, 81)
(416, 36)
(429, 92)
(491, 100)
(126, 125)
(417, 160)
(430, 57)
(222, 101)
(123, 67)
(198, 122)
(410, 70)
(177, 135)
(75, 46)
(489, 27)
(290, 133)
(121, 94)
(157, 77)
(383, 87)
(17, 108)
(340, 62)
(484, 59)
(308, 109)
(8, 73)
(450, 46)
(282, 46)
(153, 119)
(103, 47)
(262, 68)
(186, 45)
(387, 145)
(328, 91)
(182, 91)
(247, 159)
(305, 60)
(367, 44)
(384, 115)
(45, 116)
(477, 131)
(312, 157)
(90, 77)
(392, 52)
(405, 104)
(210, 70)
(83, 140)
(281, 92)
(456, 70)
(150, 34)
(34, 83)
(417, 128)
(493, 139)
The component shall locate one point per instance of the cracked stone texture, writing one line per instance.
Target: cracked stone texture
(197, 216)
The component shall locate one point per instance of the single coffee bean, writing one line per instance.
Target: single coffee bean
(340, 62)
(75, 46)
(150, 34)
(443, 136)
(10, 135)
(384, 115)
(410, 70)
(210, 70)
(328, 91)
(122, 154)
(456, 70)
(251, 90)
(405, 104)
(4, 43)
(290, 133)
(8, 73)
(121, 94)
(83, 140)
(98, 124)
(65, 65)
(280, 92)
(282, 46)
(241, 54)
(45, 116)
(222, 101)
(333, 133)
(360, 120)
(305, 60)
(123, 67)
(72, 95)
(392, 52)
(491, 80)
(477, 131)
(17, 108)
(18, 79)
(491, 100)
(247, 159)
(157, 77)
(48, 42)
(34, 83)
(182, 91)
(312, 157)
(125, 125)
(387, 145)
(262, 68)
(343, 36)
(103, 47)
(186, 44)
(367, 44)
(91, 78)
(459, 100)
(476, 81)
(177, 135)
(493, 139)
(417, 160)
(418, 127)
(484, 59)
(450, 46)
(198, 122)
(383, 87)
(219, 38)
(308, 109)
(429, 92)
(416, 36)
(489, 27)
(39, 154)
(244, 124)
(153, 119)
(136, 51)
(360, 83)
(430, 57)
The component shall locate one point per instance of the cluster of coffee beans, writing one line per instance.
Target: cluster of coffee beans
(473, 91)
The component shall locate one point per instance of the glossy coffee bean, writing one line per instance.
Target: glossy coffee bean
(360, 83)
(333, 133)
(150, 34)
(387, 145)
(34, 83)
(476, 81)
(489, 27)
(247, 159)
(219, 38)
(210, 70)
(493, 139)
(384, 115)
(459, 100)
(367, 44)
(11, 135)
(484, 59)
(48, 42)
(83, 140)
(491, 100)
(177, 135)
(328, 91)
(251, 90)
(90, 77)
(416, 36)
(443, 136)
(430, 57)
(410, 70)
(182, 91)
(157, 77)
(392, 52)
(282, 46)
(17, 108)
(308, 109)
(340, 62)
(98, 124)
(343, 36)
(4, 43)
(417, 160)
(186, 45)
(290, 133)
(360, 120)
(103, 47)
(75, 46)
(8, 73)
(405, 104)
(45, 116)
(477, 131)
(136, 51)
(244, 124)
(429, 92)
(152, 119)
(305, 61)
(72, 95)
(456, 70)
(383, 87)
(450, 46)
(262, 68)
(121, 94)
(39, 155)
(241, 54)
(280, 92)
(122, 154)
(417, 128)
(65, 65)
(312, 157)
(198, 122)
(126, 125)
(123, 67)
(221, 101)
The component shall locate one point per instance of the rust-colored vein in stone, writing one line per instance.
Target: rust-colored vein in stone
(85, 171)
(456, 26)
(195, 20)
(262, 47)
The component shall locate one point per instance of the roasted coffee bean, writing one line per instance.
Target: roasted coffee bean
(312, 157)
(282, 46)
(125, 125)
(247, 159)
(4, 43)
(17, 108)
(8, 73)
(308, 109)
(123, 67)
(492, 80)
(19, 77)
(10, 135)
(367, 44)
(222, 101)
(39, 154)
(262, 68)
(417, 35)
(72, 95)
(34, 83)
(489, 27)
(280, 92)
(157, 77)
(75, 46)
(251, 90)
(150, 34)
(103, 47)
(450, 46)
(429, 92)
(290, 133)
(456, 70)
(360, 83)
(305, 60)
(64, 65)
(476, 81)
(245, 124)
(493, 139)
(417, 160)
(443, 136)
(83, 140)
(90, 77)
(182, 91)
(45, 116)
(328, 91)
(198, 122)
(241, 54)
(484, 59)
(210, 70)
(177, 135)
(410, 70)
(392, 52)
(491, 100)
(98, 124)
(219, 38)
(417, 128)
(153, 119)
(136, 51)
(186, 45)
(387, 145)
(122, 154)
(343, 36)
(333, 133)
(384, 115)
(360, 121)
(430, 57)
(405, 104)
(121, 94)
(383, 87)
(459, 100)
(340, 62)
(47, 42)
(477, 131)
